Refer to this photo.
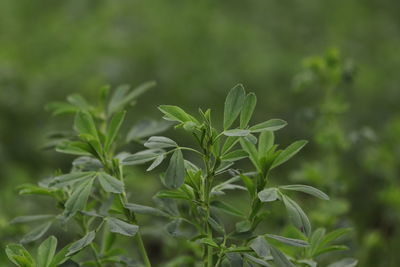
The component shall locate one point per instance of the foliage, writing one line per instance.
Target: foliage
(93, 195)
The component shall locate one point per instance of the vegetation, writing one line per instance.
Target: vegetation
(94, 202)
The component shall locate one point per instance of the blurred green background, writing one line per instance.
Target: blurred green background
(329, 68)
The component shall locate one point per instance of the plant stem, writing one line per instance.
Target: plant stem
(96, 256)
(130, 215)
(142, 249)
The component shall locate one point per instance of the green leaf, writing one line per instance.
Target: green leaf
(113, 128)
(36, 233)
(243, 226)
(280, 258)
(123, 97)
(141, 209)
(18, 255)
(268, 195)
(334, 235)
(265, 142)
(306, 189)
(235, 155)
(256, 260)
(233, 105)
(297, 215)
(315, 240)
(84, 124)
(260, 246)
(175, 174)
(60, 257)
(270, 125)
(77, 201)
(81, 243)
(29, 189)
(172, 194)
(227, 208)
(58, 108)
(78, 101)
(248, 182)
(173, 227)
(330, 249)
(347, 262)
(156, 162)
(247, 111)
(289, 241)
(123, 228)
(216, 225)
(251, 150)
(46, 252)
(230, 142)
(110, 184)
(236, 132)
(142, 157)
(235, 259)
(174, 113)
(146, 128)
(71, 178)
(289, 152)
(160, 142)
(31, 218)
(208, 242)
(75, 148)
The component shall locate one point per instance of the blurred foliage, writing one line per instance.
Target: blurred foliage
(346, 105)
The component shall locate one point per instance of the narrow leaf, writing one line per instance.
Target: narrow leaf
(120, 227)
(237, 132)
(81, 243)
(113, 128)
(146, 128)
(306, 189)
(265, 142)
(84, 124)
(160, 142)
(110, 184)
(46, 252)
(175, 174)
(235, 155)
(156, 162)
(297, 215)
(260, 247)
(270, 125)
(175, 113)
(289, 241)
(289, 152)
(280, 258)
(251, 150)
(141, 209)
(71, 178)
(142, 157)
(78, 199)
(18, 255)
(36, 233)
(227, 208)
(31, 218)
(248, 109)
(268, 195)
(347, 262)
(233, 105)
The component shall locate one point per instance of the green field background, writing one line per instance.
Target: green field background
(284, 51)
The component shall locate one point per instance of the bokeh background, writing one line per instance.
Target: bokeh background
(329, 68)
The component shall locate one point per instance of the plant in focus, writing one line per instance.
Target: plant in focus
(96, 210)
(195, 190)
(92, 196)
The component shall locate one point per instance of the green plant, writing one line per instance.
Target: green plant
(195, 188)
(93, 195)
